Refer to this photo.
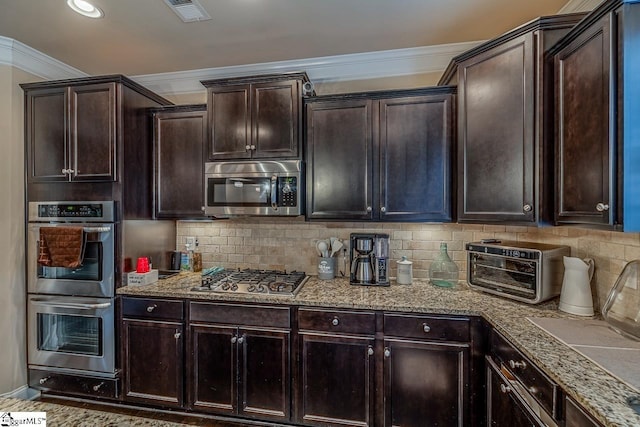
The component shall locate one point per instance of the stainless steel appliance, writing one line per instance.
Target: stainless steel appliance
(71, 310)
(523, 271)
(265, 187)
(369, 254)
(268, 282)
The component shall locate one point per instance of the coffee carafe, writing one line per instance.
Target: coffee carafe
(369, 258)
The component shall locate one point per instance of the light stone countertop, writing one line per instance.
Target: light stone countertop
(603, 395)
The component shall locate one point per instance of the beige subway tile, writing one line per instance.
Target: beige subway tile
(236, 258)
(401, 235)
(631, 253)
(464, 236)
(494, 228)
(219, 240)
(422, 235)
(612, 250)
(630, 239)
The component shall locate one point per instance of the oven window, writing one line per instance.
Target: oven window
(70, 334)
(90, 270)
(517, 276)
(238, 191)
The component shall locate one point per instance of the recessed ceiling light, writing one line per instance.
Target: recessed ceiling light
(85, 8)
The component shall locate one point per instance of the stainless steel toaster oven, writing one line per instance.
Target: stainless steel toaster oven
(523, 271)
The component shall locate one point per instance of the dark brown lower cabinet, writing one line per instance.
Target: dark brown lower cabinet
(425, 383)
(153, 352)
(240, 371)
(336, 380)
(575, 416)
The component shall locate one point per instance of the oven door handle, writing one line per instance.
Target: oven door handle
(45, 303)
(96, 229)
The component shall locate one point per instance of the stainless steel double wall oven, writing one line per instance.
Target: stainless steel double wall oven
(71, 310)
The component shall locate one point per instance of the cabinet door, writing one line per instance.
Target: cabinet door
(415, 156)
(214, 373)
(47, 151)
(264, 382)
(92, 132)
(339, 147)
(336, 383)
(153, 353)
(584, 118)
(229, 122)
(179, 139)
(504, 409)
(575, 416)
(425, 383)
(496, 134)
(275, 119)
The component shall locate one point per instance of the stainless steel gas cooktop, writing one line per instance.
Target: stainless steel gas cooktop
(269, 282)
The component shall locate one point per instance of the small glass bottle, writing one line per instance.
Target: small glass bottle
(443, 271)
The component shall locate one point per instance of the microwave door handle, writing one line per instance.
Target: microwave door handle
(44, 303)
(274, 192)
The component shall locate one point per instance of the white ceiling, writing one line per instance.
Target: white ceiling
(145, 37)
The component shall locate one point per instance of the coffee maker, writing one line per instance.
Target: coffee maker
(369, 254)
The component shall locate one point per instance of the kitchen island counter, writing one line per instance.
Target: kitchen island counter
(603, 395)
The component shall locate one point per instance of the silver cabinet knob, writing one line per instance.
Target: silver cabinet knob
(44, 380)
(247, 147)
(387, 352)
(241, 340)
(383, 209)
(65, 171)
(505, 388)
(253, 147)
(602, 207)
(234, 339)
(426, 328)
(98, 386)
(335, 321)
(177, 335)
(527, 208)
(520, 365)
(370, 351)
(70, 171)
(369, 209)
(151, 308)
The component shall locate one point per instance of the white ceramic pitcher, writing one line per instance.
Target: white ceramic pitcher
(575, 297)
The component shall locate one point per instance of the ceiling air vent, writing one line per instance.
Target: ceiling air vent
(188, 10)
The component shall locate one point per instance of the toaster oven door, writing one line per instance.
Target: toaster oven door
(512, 277)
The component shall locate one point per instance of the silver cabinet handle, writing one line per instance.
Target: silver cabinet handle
(387, 352)
(98, 386)
(369, 209)
(383, 209)
(527, 208)
(514, 365)
(44, 380)
(177, 335)
(247, 147)
(426, 328)
(602, 207)
(241, 340)
(335, 321)
(505, 388)
(65, 171)
(234, 339)
(370, 351)
(151, 308)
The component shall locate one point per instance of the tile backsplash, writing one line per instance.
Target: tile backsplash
(289, 243)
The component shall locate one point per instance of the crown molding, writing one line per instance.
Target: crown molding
(579, 6)
(358, 66)
(25, 58)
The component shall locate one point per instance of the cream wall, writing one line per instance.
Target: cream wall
(282, 243)
(13, 374)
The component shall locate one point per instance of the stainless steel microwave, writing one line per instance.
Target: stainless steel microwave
(523, 271)
(254, 188)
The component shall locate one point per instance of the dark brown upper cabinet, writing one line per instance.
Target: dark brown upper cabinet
(381, 156)
(596, 129)
(255, 117)
(179, 140)
(505, 160)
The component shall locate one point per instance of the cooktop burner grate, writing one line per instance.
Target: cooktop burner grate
(269, 282)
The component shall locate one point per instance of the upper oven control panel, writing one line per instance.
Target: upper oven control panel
(71, 211)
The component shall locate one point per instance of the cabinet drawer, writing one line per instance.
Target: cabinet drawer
(56, 382)
(543, 389)
(235, 314)
(151, 308)
(427, 327)
(337, 321)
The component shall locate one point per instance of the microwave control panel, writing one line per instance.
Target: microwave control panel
(288, 191)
